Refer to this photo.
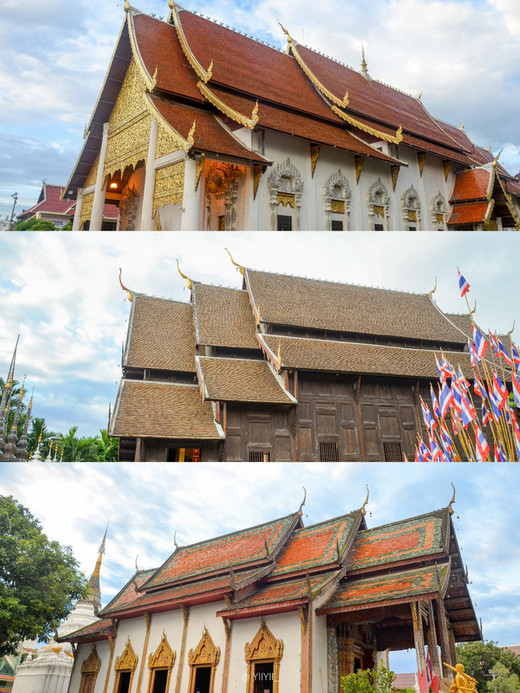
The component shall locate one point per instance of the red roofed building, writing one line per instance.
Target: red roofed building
(52, 206)
(200, 127)
(282, 607)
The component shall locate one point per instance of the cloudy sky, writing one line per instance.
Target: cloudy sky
(60, 292)
(463, 55)
(147, 504)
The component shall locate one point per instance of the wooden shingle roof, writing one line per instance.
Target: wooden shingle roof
(223, 317)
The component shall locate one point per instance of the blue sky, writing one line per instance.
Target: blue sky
(147, 503)
(463, 55)
(60, 292)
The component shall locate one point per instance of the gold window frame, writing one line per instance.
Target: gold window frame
(89, 671)
(162, 659)
(206, 654)
(127, 661)
(263, 649)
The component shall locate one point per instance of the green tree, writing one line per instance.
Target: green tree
(503, 681)
(107, 448)
(368, 681)
(68, 226)
(479, 658)
(39, 579)
(35, 225)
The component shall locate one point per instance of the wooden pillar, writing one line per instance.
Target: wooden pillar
(357, 391)
(99, 192)
(433, 648)
(149, 181)
(185, 616)
(147, 621)
(418, 635)
(228, 625)
(139, 447)
(445, 640)
(453, 651)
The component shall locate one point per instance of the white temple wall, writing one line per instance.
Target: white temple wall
(319, 654)
(284, 627)
(133, 628)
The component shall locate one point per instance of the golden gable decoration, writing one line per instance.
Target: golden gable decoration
(163, 657)
(206, 652)
(264, 645)
(92, 663)
(127, 661)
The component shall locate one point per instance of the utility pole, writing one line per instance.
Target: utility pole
(11, 222)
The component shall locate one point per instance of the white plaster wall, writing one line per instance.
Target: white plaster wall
(82, 654)
(135, 629)
(320, 673)
(284, 627)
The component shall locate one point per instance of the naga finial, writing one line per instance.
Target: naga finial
(241, 269)
(511, 330)
(175, 540)
(127, 6)
(363, 507)
(188, 280)
(433, 290)
(285, 31)
(303, 501)
(450, 509)
(128, 292)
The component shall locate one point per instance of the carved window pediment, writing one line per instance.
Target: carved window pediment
(206, 652)
(127, 661)
(92, 664)
(163, 657)
(264, 646)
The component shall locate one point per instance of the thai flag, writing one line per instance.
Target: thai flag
(473, 354)
(463, 284)
(435, 403)
(515, 355)
(445, 438)
(462, 380)
(457, 396)
(486, 418)
(495, 404)
(468, 411)
(503, 353)
(425, 452)
(494, 343)
(442, 375)
(481, 446)
(479, 388)
(480, 343)
(436, 451)
(517, 439)
(429, 421)
(418, 456)
(446, 399)
(516, 389)
(500, 455)
(500, 390)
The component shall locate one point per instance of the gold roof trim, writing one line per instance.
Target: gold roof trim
(240, 268)
(322, 88)
(509, 203)
(150, 81)
(185, 144)
(227, 110)
(393, 139)
(205, 75)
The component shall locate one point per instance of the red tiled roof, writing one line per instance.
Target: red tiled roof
(472, 185)
(399, 541)
(470, 213)
(404, 587)
(129, 593)
(98, 630)
(49, 201)
(236, 549)
(209, 134)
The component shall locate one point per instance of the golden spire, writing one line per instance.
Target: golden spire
(188, 280)
(94, 593)
(363, 507)
(241, 269)
(128, 292)
(364, 68)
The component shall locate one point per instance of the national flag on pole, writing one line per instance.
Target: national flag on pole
(463, 284)
(429, 669)
(494, 343)
(500, 455)
(479, 388)
(462, 380)
(517, 439)
(495, 403)
(473, 354)
(445, 399)
(442, 376)
(435, 403)
(457, 396)
(486, 418)
(436, 451)
(515, 355)
(429, 421)
(445, 439)
(425, 452)
(503, 353)
(480, 343)
(516, 389)
(468, 411)
(500, 390)
(481, 446)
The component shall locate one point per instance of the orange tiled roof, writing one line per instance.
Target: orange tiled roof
(472, 185)
(160, 335)
(470, 213)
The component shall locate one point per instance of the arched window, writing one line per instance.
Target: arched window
(285, 187)
(378, 206)
(337, 201)
(89, 671)
(411, 209)
(203, 662)
(263, 656)
(161, 664)
(439, 209)
(125, 667)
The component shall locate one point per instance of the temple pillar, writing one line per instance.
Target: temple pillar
(191, 199)
(431, 636)
(100, 192)
(77, 212)
(149, 181)
(445, 639)
(139, 450)
(418, 636)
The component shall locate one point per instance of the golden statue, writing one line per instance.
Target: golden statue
(462, 683)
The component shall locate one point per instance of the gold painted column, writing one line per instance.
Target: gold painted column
(149, 181)
(77, 212)
(100, 192)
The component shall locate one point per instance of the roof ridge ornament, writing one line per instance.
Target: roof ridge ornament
(240, 268)
(433, 290)
(189, 283)
(228, 110)
(322, 88)
(128, 292)
(363, 507)
(450, 509)
(305, 497)
(205, 75)
(364, 67)
(393, 139)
